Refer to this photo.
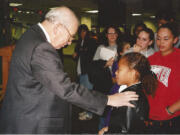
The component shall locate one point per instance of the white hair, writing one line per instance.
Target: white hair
(60, 15)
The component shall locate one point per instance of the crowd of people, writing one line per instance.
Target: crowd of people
(111, 68)
(152, 56)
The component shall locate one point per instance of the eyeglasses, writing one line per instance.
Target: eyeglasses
(112, 33)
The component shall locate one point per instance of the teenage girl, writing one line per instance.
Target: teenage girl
(165, 106)
(144, 42)
(134, 71)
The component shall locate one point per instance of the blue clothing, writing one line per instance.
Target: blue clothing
(114, 68)
(84, 80)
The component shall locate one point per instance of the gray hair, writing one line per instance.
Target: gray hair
(61, 14)
(53, 16)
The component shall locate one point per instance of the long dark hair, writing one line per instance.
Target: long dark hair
(103, 37)
(80, 29)
(141, 64)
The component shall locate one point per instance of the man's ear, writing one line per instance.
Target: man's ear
(56, 29)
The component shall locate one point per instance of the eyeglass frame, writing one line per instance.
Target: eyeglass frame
(112, 33)
(71, 36)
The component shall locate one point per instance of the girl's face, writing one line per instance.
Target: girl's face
(112, 35)
(143, 40)
(125, 48)
(165, 40)
(125, 75)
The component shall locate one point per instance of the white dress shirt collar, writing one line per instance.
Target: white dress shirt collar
(45, 32)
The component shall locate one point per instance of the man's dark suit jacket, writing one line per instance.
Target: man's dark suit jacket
(38, 90)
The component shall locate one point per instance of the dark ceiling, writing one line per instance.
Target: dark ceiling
(79, 6)
(146, 8)
(124, 8)
(82, 5)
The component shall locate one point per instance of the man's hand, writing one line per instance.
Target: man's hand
(122, 99)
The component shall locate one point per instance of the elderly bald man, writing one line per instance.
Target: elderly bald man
(38, 90)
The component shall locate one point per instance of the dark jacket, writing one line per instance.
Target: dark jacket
(39, 91)
(100, 76)
(128, 119)
(86, 53)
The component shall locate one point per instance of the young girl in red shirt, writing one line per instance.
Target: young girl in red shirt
(165, 105)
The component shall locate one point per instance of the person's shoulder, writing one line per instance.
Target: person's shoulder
(177, 50)
(101, 46)
(151, 49)
(156, 54)
(136, 87)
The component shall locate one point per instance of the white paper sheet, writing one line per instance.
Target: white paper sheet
(106, 54)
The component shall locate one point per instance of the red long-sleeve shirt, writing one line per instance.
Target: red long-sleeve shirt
(167, 69)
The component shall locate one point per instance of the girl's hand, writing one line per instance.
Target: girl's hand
(109, 62)
(103, 130)
(136, 48)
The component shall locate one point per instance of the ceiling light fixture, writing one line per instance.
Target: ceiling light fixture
(92, 11)
(152, 16)
(136, 14)
(15, 4)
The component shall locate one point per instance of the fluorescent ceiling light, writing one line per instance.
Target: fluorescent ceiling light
(92, 11)
(152, 16)
(15, 4)
(136, 14)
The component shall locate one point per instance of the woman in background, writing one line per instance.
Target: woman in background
(84, 52)
(144, 41)
(101, 68)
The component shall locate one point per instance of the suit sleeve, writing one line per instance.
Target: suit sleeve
(47, 69)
